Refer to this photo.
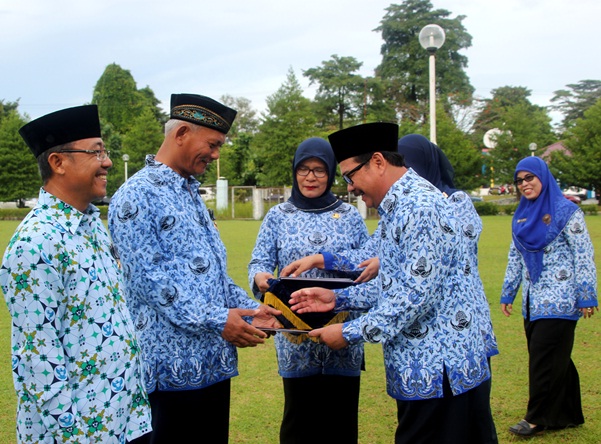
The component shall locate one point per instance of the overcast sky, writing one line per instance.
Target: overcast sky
(52, 52)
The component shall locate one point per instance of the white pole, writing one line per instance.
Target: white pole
(433, 97)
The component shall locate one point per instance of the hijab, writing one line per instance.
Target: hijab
(536, 223)
(428, 160)
(318, 148)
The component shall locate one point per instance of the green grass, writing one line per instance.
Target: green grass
(257, 397)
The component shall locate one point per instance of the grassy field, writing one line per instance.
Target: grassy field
(257, 397)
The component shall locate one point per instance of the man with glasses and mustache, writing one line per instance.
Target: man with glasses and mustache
(75, 357)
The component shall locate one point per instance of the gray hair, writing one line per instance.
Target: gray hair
(173, 124)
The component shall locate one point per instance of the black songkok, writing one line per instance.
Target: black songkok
(203, 111)
(60, 127)
(363, 139)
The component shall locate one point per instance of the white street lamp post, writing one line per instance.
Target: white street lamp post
(125, 158)
(532, 147)
(432, 37)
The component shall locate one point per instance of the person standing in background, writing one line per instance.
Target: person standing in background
(551, 256)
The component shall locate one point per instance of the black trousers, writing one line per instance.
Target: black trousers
(554, 383)
(190, 416)
(337, 396)
(461, 419)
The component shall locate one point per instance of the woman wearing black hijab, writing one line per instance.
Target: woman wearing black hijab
(313, 219)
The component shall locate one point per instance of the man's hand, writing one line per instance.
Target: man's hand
(266, 317)
(331, 336)
(241, 333)
(313, 299)
(295, 268)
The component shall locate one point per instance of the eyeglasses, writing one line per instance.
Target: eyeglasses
(101, 155)
(347, 176)
(317, 172)
(527, 178)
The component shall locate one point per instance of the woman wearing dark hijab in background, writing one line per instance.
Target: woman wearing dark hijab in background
(430, 162)
(313, 374)
(551, 256)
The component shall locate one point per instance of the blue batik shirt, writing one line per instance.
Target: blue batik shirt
(176, 281)
(568, 280)
(426, 315)
(75, 357)
(288, 234)
(471, 229)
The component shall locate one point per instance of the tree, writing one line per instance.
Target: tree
(520, 122)
(405, 64)
(235, 161)
(581, 165)
(575, 100)
(20, 178)
(340, 91)
(119, 101)
(464, 155)
(287, 122)
(151, 100)
(6, 108)
(144, 137)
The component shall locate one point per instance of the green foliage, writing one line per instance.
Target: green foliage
(119, 101)
(465, 157)
(590, 209)
(19, 178)
(236, 159)
(143, 137)
(405, 64)
(581, 165)
(340, 91)
(486, 208)
(287, 122)
(521, 122)
(6, 108)
(575, 100)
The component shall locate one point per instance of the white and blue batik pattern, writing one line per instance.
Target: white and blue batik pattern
(426, 316)
(176, 281)
(471, 229)
(75, 358)
(288, 234)
(568, 281)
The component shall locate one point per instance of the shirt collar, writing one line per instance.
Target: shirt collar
(62, 213)
(169, 175)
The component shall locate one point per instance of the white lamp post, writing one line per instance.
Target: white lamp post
(532, 147)
(125, 158)
(431, 37)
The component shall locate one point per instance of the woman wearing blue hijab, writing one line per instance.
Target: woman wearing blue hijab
(551, 256)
